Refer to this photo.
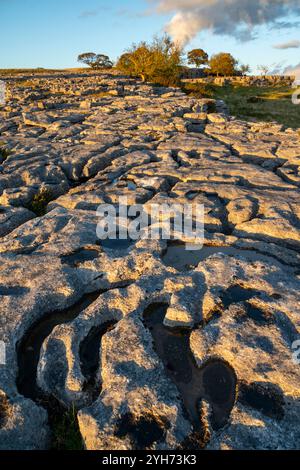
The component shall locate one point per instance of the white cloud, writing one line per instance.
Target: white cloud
(236, 18)
(293, 70)
(288, 45)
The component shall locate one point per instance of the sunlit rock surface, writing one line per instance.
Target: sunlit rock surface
(156, 347)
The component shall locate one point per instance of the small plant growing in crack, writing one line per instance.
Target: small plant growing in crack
(65, 431)
(4, 153)
(39, 202)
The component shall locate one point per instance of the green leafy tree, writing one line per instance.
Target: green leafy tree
(158, 61)
(223, 64)
(197, 57)
(95, 61)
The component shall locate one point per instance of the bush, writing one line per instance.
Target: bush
(158, 62)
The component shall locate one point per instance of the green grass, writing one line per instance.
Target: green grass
(4, 153)
(261, 104)
(65, 431)
(39, 202)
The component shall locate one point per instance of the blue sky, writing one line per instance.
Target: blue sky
(51, 33)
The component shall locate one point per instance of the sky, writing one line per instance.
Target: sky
(52, 33)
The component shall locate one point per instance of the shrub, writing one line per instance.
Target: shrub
(158, 62)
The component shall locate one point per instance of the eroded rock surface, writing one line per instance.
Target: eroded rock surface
(74, 310)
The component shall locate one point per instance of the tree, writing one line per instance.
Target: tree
(245, 68)
(158, 61)
(264, 69)
(197, 57)
(95, 61)
(223, 64)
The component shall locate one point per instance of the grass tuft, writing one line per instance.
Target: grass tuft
(4, 153)
(39, 202)
(65, 431)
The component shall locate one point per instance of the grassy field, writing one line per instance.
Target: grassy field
(261, 104)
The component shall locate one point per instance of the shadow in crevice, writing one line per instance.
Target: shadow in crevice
(62, 420)
(13, 290)
(264, 397)
(143, 431)
(177, 256)
(89, 357)
(80, 256)
(236, 293)
(215, 381)
(28, 349)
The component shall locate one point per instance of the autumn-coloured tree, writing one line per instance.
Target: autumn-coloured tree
(95, 61)
(158, 61)
(197, 57)
(223, 64)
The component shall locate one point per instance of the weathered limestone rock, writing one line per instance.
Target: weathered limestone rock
(12, 217)
(253, 325)
(224, 318)
(240, 210)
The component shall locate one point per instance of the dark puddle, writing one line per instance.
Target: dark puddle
(264, 397)
(28, 349)
(89, 356)
(181, 259)
(116, 245)
(81, 256)
(215, 381)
